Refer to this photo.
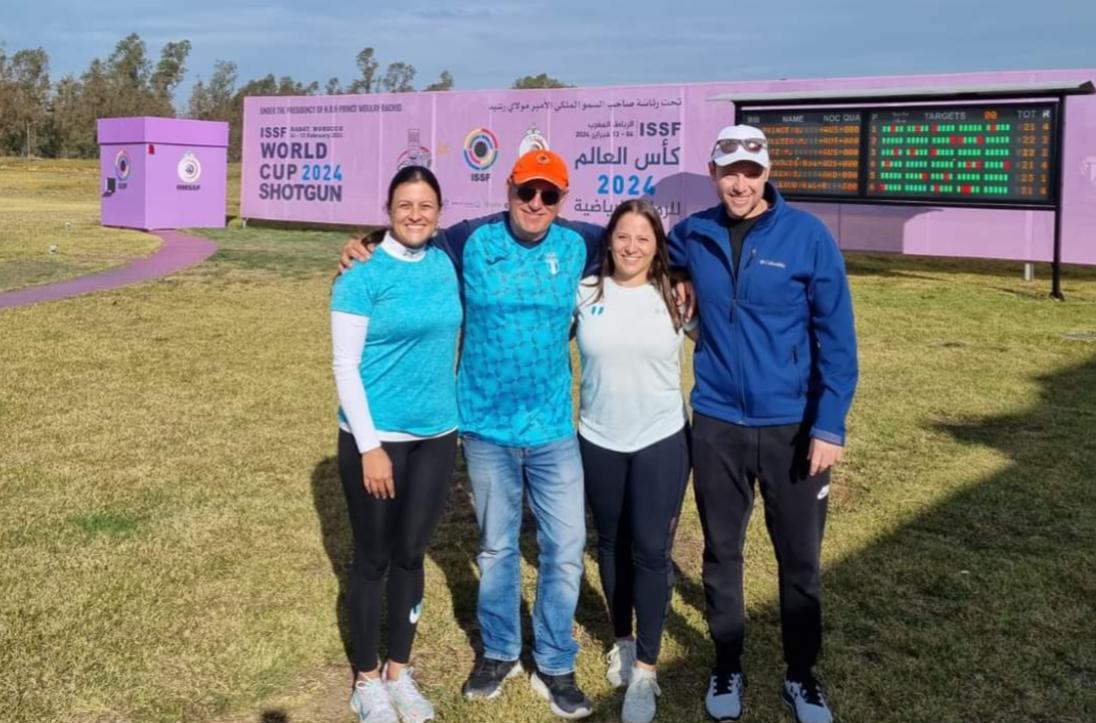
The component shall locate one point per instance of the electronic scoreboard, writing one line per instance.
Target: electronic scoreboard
(983, 154)
(813, 152)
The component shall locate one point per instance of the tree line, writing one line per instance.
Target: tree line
(39, 117)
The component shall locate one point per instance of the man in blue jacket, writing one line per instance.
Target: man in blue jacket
(775, 372)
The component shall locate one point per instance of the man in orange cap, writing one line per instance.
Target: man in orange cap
(520, 270)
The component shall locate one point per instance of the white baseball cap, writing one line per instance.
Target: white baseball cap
(740, 143)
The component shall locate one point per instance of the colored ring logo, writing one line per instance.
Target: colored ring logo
(481, 149)
(190, 168)
(122, 166)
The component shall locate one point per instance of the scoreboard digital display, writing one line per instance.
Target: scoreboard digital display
(812, 152)
(984, 154)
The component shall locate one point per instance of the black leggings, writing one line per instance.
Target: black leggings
(391, 535)
(636, 499)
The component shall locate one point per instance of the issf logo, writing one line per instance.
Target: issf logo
(481, 149)
(122, 166)
(189, 168)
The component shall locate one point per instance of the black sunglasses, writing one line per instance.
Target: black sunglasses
(548, 196)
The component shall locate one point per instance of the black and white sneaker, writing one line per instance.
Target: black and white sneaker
(562, 693)
(725, 698)
(487, 677)
(807, 701)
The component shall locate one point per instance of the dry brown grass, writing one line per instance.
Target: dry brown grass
(172, 535)
(55, 205)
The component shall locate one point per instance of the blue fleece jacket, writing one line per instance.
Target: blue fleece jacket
(777, 344)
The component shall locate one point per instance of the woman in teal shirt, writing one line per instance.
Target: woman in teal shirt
(394, 323)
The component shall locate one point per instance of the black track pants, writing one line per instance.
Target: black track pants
(727, 461)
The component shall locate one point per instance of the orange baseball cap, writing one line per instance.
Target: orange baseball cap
(542, 165)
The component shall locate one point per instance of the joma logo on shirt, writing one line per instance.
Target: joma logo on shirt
(768, 262)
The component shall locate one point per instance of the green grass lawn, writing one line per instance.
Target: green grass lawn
(173, 541)
(49, 224)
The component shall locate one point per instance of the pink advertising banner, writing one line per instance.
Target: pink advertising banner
(328, 159)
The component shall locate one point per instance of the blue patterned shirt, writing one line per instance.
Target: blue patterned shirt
(414, 317)
(514, 380)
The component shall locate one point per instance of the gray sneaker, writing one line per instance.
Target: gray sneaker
(621, 660)
(724, 701)
(371, 702)
(407, 700)
(641, 698)
(806, 700)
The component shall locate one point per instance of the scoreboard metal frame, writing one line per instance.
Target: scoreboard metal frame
(867, 102)
(864, 160)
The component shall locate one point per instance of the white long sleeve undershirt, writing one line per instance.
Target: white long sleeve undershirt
(347, 345)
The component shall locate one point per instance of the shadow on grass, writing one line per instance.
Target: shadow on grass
(453, 549)
(978, 609)
(330, 504)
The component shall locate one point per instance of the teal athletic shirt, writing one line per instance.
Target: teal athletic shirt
(514, 379)
(414, 316)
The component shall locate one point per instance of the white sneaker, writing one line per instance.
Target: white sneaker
(806, 700)
(641, 698)
(406, 698)
(622, 658)
(371, 702)
(725, 694)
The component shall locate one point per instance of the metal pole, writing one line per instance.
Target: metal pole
(1029, 271)
(1056, 267)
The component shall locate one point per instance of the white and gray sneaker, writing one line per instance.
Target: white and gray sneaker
(641, 698)
(724, 701)
(407, 700)
(807, 701)
(622, 658)
(371, 703)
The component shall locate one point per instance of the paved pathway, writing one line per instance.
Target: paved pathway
(178, 252)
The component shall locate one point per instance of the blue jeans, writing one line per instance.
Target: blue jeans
(553, 475)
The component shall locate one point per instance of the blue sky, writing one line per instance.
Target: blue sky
(487, 44)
